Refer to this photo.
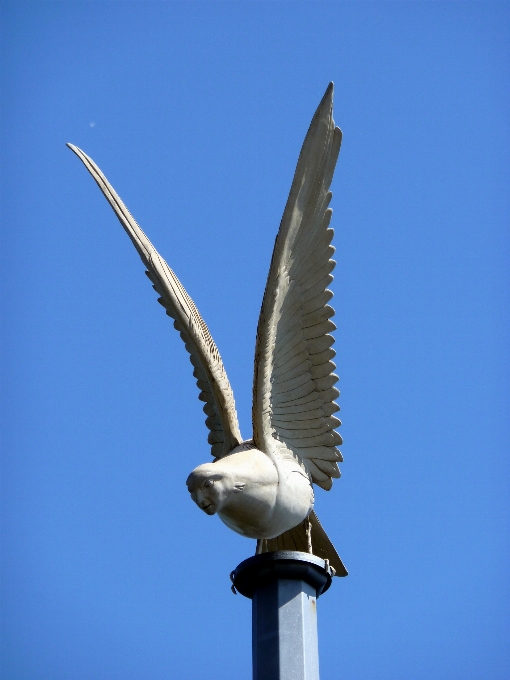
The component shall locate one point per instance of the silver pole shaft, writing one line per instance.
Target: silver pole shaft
(284, 587)
(285, 644)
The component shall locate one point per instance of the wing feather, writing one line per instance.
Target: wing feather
(323, 268)
(296, 344)
(318, 330)
(295, 360)
(331, 469)
(320, 357)
(208, 367)
(310, 424)
(296, 372)
(317, 302)
(298, 408)
(317, 316)
(296, 418)
(320, 344)
(294, 378)
(315, 286)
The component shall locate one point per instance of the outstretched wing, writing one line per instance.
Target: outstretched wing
(293, 391)
(209, 371)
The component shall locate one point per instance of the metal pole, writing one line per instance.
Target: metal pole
(284, 587)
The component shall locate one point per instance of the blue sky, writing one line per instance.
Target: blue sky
(196, 113)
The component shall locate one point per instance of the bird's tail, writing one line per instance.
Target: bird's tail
(297, 539)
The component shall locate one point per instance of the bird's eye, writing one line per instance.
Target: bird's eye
(208, 483)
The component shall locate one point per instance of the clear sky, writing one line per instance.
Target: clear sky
(196, 113)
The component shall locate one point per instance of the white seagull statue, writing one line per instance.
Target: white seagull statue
(262, 487)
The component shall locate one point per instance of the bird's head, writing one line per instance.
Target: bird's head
(210, 487)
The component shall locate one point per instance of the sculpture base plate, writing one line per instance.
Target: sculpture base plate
(265, 568)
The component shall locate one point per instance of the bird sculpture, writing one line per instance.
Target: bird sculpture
(262, 487)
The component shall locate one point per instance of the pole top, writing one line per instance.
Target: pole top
(265, 568)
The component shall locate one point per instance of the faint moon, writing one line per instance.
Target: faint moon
(92, 124)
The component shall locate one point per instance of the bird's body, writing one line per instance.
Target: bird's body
(256, 495)
(262, 488)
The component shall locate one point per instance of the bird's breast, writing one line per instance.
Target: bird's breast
(270, 498)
